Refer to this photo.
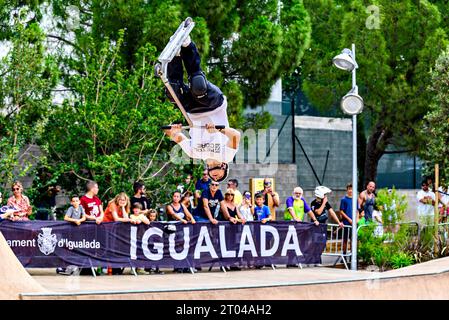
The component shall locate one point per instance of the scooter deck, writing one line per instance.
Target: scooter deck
(174, 45)
(167, 55)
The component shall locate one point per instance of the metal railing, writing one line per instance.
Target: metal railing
(394, 228)
(338, 243)
(443, 231)
(339, 239)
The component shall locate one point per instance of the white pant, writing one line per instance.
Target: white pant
(217, 116)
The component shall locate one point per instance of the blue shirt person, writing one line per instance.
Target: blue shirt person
(346, 206)
(261, 211)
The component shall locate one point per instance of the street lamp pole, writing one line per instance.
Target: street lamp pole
(351, 104)
(354, 175)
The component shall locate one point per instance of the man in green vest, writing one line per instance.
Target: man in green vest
(297, 206)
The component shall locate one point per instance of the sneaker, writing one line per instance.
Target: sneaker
(235, 268)
(117, 271)
(154, 271)
(150, 270)
(60, 270)
(157, 271)
(292, 266)
(73, 270)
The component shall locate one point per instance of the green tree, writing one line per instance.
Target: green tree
(109, 130)
(227, 33)
(28, 77)
(394, 61)
(25, 11)
(434, 130)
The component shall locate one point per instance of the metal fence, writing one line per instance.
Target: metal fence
(443, 231)
(413, 229)
(339, 239)
(338, 243)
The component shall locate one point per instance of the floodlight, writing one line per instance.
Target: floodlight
(345, 60)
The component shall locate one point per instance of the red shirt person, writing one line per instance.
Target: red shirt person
(92, 204)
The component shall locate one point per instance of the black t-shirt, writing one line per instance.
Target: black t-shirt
(142, 200)
(315, 205)
(214, 204)
(232, 213)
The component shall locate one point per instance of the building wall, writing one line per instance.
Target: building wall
(285, 179)
(318, 136)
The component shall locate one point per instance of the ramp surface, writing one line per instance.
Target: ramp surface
(14, 279)
(428, 280)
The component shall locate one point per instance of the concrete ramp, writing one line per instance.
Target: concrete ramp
(428, 280)
(14, 279)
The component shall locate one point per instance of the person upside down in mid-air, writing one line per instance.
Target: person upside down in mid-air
(206, 107)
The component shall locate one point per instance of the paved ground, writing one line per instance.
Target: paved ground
(423, 281)
(201, 280)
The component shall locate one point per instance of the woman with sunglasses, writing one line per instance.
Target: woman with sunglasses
(20, 202)
(233, 210)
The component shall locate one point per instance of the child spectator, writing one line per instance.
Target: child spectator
(247, 209)
(137, 217)
(346, 214)
(261, 211)
(75, 213)
(152, 215)
(92, 204)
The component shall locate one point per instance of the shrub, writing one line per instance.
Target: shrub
(401, 259)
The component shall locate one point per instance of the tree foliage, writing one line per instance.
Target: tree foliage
(109, 131)
(434, 131)
(28, 76)
(107, 127)
(226, 32)
(394, 63)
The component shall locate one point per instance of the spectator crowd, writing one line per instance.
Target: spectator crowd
(203, 201)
